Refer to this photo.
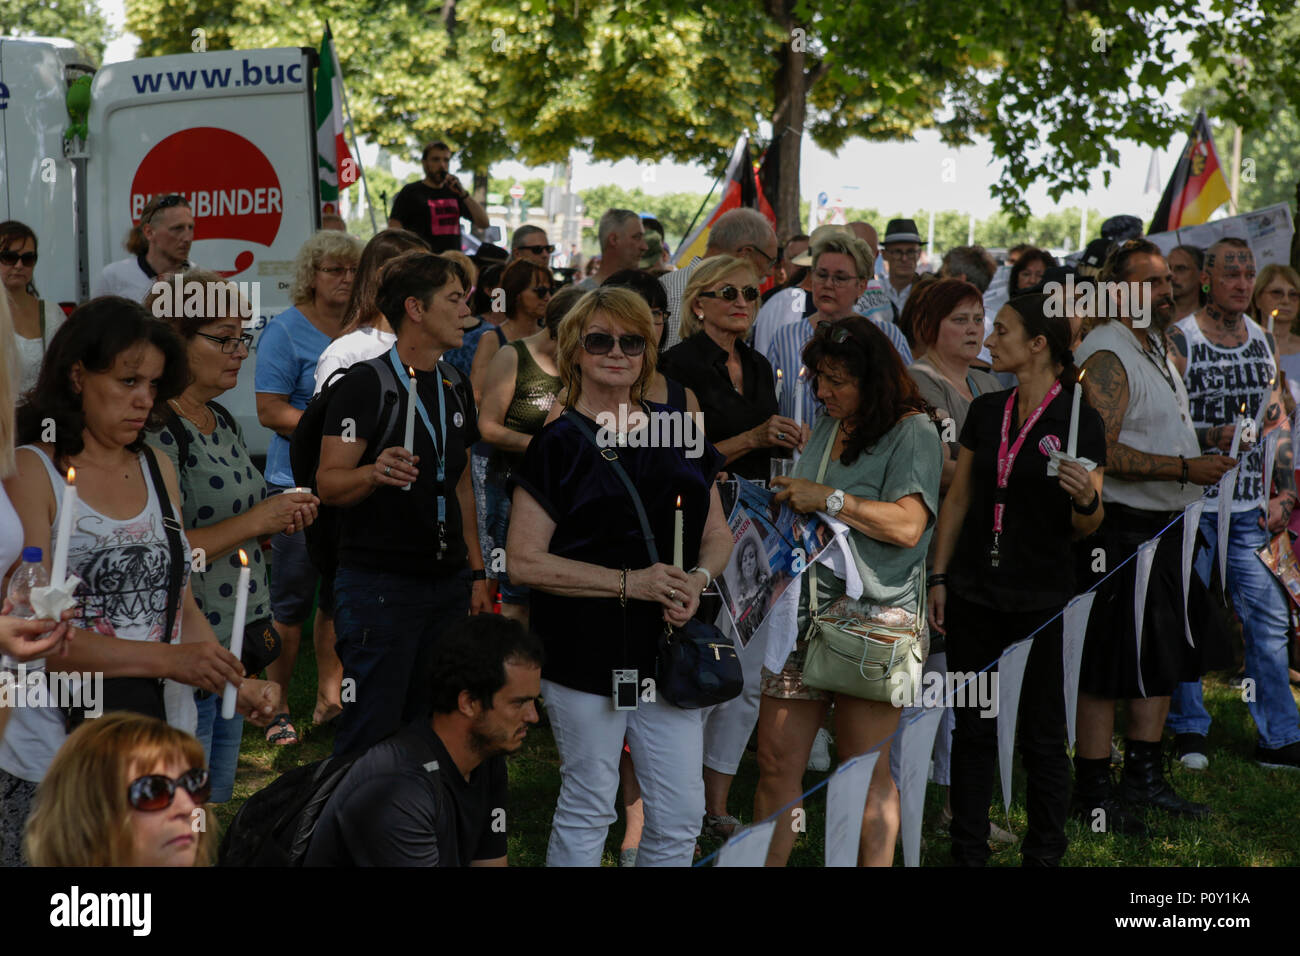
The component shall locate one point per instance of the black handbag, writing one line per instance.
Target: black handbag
(697, 665)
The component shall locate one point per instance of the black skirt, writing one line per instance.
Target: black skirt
(1109, 669)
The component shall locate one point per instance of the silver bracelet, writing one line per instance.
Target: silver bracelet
(708, 578)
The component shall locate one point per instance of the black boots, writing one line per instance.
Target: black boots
(1144, 784)
(1095, 804)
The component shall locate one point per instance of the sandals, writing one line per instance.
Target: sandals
(285, 735)
(720, 827)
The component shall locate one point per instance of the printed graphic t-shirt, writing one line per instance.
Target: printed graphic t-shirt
(432, 214)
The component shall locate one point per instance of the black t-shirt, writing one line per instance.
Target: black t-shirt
(405, 803)
(392, 529)
(432, 214)
(596, 522)
(700, 365)
(1036, 566)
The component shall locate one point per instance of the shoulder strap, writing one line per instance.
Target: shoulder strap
(821, 474)
(224, 415)
(171, 524)
(172, 422)
(453, 375)
(612, 457)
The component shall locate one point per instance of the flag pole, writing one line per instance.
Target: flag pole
(351, 129)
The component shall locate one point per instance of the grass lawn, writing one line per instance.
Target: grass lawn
(1252, 823)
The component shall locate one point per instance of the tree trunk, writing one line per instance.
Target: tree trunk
(790, 94)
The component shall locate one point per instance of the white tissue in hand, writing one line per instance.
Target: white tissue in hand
(1053, 466)
(49, 603)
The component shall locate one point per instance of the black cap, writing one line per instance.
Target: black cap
(1096, 253)
(1121, 228)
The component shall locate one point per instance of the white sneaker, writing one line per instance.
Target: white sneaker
(820, 758)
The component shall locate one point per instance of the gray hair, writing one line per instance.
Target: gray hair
(738, 228)
(851, 246)
(611, 222)
(970, 262)
(321, 245)
(521, 235)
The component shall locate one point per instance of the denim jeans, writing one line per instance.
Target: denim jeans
(498, 517)
(386, 626)
(1261, 605)
(220, 739)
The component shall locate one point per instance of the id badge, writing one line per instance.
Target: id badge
(627, 689)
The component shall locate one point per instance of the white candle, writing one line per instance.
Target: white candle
(237, 634)
(679, 528)
(1072, 446)
(1272, 317)
(409, 442)
(1236, 433)
(59, 570)
(798, 397)
(779, 382)
(1263, 407)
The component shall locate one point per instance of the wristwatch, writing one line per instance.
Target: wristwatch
(834, 502)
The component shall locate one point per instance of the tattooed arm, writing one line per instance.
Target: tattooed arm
(1177, 343)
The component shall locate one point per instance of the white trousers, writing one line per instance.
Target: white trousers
(667, 746)
(727, 726)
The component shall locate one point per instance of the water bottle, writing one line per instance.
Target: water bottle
(30, 574)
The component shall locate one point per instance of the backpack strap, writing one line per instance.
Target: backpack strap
(172, 422)
(224, 415)
(176, 552)
(612, 457)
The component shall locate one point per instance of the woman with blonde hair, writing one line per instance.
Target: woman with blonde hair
(1277, 288)
(124, 790)
(598, 602)
(284, 380)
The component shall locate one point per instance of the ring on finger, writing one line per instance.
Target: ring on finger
(672, 593)
(780, 436)
(388, 471)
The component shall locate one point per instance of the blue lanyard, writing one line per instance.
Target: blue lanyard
(442, 421)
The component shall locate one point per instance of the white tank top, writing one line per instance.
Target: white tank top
(1219, 382)
(1156, 421)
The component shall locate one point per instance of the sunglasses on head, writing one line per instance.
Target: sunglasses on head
(10, 258)
(602, 343)
(730, 292)
(156, 791)
(167, 202)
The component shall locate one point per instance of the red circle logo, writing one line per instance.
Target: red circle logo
(1049, 444)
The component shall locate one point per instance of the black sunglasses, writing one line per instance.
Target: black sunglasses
(602, 343)
(729, 292)
(156, 792)
(13, 258)
(537, 250)
(230, 344)
(542, 291)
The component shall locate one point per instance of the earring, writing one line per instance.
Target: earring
(1205, 289)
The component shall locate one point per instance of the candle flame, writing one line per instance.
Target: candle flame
(780, 375)
(802, 370)
(243, 558)
(1082, 373)
(679, 501)
(72, 476)
(410, 371)
(1273, 313)
(1243, 408)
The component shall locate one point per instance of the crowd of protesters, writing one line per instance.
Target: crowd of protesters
(978, 436)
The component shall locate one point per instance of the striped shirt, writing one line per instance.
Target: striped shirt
(674, 284)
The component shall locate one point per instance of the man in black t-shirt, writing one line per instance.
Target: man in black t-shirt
(435, 794)
(406, 556)
(434, 207)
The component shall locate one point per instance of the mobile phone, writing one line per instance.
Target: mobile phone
(627, 689)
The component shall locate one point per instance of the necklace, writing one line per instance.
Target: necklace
(200, 425)
(1159, 360)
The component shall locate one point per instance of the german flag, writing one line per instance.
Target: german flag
(740, 189)
(1197, 187)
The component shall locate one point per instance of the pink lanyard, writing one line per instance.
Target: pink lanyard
(1007, 457)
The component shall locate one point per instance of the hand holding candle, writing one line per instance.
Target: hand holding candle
(678, 530)
(237, 634)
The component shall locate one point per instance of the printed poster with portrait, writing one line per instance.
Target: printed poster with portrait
(772, 545)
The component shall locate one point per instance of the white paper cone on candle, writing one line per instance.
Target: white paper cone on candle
(1011, 674)
(916, 743)
(1074, 628)
(846, 796)
(237, 634)
(678, 530)
(1191, 522)
(1226, 486)
(409, 441)
(1072, 445)
(1146, 556)
(63, 536)
(748, 847)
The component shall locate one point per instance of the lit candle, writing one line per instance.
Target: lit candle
(409, 442)
(1072, 447)
(1263, 407)
(59, 570)
(679, 528)
(1272, 317)
(237, 634)
(1236, 432)
(779, 382)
